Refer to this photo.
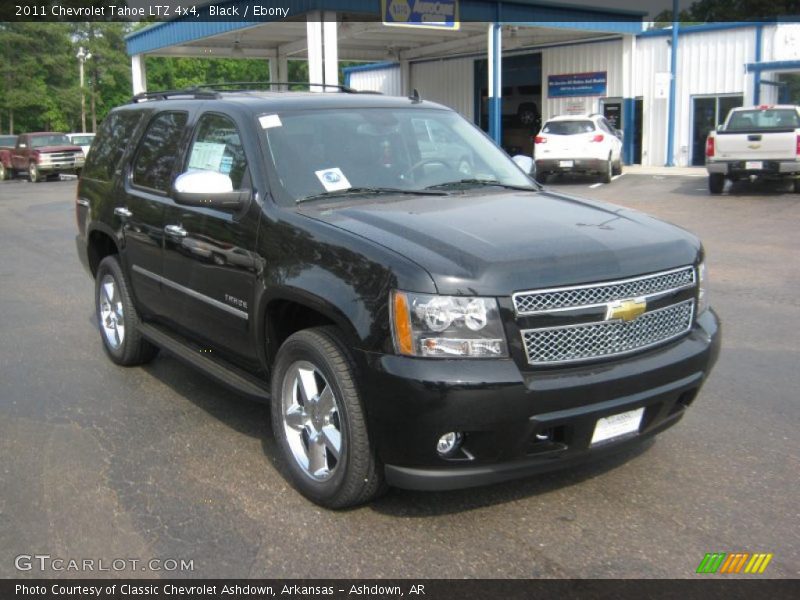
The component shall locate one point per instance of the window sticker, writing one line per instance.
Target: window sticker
(206, 156)
(268, 121)
(333, 179)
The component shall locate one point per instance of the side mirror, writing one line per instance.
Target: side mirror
(619, 133)
(720, 127)
(209, 189)
(525, 163)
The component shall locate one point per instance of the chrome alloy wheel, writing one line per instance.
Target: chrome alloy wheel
(111, 317)
(311, 420)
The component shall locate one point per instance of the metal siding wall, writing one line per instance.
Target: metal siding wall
(710, 63)
(448, 82)
(652, 56)
(386, 81)
(583, 58)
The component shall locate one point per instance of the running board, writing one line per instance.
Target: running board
(215, 368)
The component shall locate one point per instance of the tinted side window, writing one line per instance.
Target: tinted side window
(110, 144)
(217, 147)
(158, 151)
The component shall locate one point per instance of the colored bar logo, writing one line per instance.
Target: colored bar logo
(734, 562)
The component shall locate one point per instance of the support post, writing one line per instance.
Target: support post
(330, 49)
(628, 97)
(138, 74)
(672, 86)
(495, 83)
(315, 50)
(757, 73)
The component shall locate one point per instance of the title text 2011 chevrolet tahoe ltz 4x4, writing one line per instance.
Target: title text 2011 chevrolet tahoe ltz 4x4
(416, 309)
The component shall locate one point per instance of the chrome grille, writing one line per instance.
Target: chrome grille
(570, 343)
(536, 301)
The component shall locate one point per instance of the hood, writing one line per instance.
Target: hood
(497, 243)
(51, 149)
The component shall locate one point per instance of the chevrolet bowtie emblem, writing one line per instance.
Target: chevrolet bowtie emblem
(625, 310)
(754, 146)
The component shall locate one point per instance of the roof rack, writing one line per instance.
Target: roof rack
(206, 91)
(190, 93)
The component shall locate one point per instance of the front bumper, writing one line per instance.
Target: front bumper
(579, 165)
(64, 166)
(501, 409)
(769, 168)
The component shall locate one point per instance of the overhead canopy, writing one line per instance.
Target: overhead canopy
(362, 35)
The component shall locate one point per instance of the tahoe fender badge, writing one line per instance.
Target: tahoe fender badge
(237, 302)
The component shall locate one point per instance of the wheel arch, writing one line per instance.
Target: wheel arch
(100, 242)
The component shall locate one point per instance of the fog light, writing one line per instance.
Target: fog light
(449, 443)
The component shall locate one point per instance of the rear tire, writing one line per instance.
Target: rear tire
(716, 183)
(319, 421)
(617, 167)
(797, 186)
(3, 172)
(118, 318)
(608, 172)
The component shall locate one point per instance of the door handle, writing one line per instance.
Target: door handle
(121, 211)
(176, 230)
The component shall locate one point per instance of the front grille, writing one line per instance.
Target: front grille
(527, 303)
(571, 343)
(59, 156)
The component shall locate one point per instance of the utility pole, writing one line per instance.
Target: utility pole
(82, 57)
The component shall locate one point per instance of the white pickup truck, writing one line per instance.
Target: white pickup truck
(759, 141)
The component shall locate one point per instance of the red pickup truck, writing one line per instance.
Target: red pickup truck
(44, 155)
(7, 144)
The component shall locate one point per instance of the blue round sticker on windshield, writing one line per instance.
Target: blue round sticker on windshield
(332, 177)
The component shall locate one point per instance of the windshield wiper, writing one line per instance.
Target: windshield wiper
(353, 191)
(491, 182)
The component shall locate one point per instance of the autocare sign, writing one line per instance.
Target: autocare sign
(577, 84)
(431, 14)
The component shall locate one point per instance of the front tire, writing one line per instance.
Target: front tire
(319, 422)
(33, 173)
(118, 318)
(797, 186)
(716, 183)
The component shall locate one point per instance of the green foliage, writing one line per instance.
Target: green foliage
(708, 11)
(39, 83)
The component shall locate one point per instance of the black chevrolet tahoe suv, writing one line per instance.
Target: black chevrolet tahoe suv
(417, 311)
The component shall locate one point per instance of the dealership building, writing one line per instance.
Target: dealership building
(508, 64)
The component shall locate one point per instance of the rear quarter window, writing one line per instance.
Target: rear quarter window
(110, 144)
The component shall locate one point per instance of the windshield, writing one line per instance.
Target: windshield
(8, 140)
(53, 139)
(82, 140)
(328, 152)
(748, 120)
(568, 127)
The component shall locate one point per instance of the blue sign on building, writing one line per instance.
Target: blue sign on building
(577, 84)
(436, 14)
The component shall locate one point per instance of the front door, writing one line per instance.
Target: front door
(210, 267)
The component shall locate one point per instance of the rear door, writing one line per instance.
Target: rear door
(210, 266)
(141, 212)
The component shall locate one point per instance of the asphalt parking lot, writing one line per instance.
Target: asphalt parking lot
(103, 462)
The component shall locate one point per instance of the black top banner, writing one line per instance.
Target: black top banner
(412, 11)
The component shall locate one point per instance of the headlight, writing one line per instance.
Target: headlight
(702, 288)
(447, 326)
